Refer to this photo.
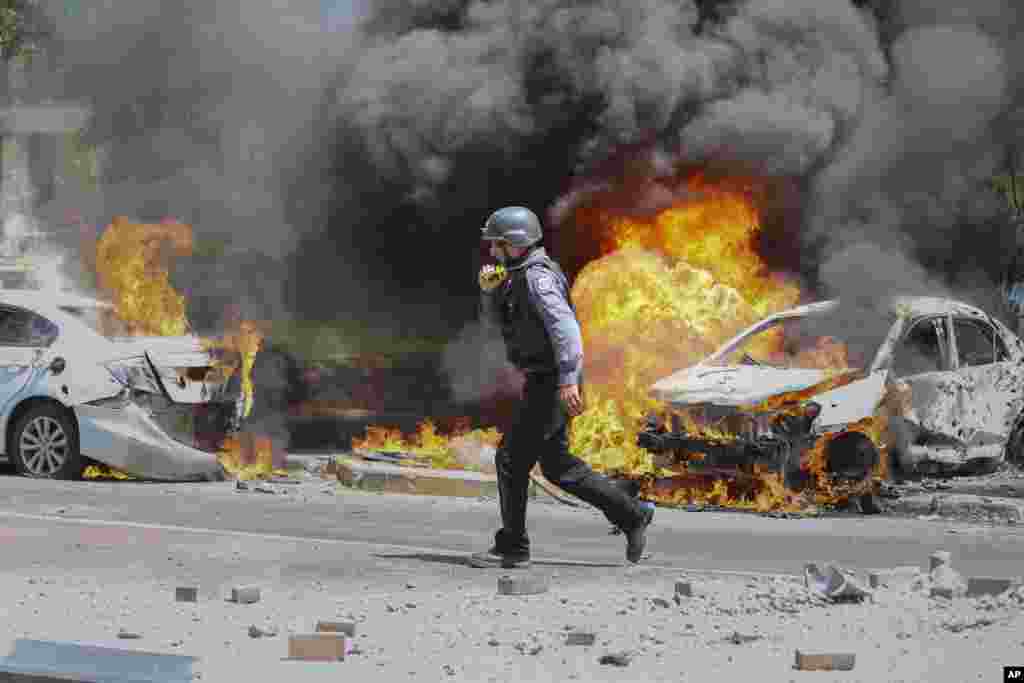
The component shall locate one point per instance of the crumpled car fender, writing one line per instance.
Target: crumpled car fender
(850, 403)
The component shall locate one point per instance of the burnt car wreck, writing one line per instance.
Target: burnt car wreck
(894, 389)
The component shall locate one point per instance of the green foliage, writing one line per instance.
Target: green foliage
(341, 340)
(80, 161)
(20, 33)
(1012, 187)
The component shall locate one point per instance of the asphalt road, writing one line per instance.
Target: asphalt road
(46, 520)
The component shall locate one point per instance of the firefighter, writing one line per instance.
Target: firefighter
(532, 305)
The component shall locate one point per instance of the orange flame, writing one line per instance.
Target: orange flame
(664, 291)
(428, 446)
(131, 265)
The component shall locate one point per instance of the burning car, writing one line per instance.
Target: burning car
(845, 390)
(72, 392)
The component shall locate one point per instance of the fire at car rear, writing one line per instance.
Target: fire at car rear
(797, 395)
(833, 392)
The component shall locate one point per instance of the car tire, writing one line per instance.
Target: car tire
(44, 444)
(851, 456)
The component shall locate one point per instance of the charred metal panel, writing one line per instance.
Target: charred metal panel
(129, 439)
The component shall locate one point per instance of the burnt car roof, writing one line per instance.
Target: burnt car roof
(912, 305)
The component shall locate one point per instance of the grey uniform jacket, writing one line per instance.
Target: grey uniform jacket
(534, 310)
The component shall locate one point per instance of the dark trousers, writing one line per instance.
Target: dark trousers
(541, 432)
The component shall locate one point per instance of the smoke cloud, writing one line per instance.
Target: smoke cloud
(352, 161)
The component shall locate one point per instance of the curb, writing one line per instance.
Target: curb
(385, 478)
(959, 505)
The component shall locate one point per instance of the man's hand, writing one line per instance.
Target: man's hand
(491, 276)
(570, 396)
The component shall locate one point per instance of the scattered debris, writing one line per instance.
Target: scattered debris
(128, 635)
(527, 649)
(938, 559)
(660, 602)
(241, 485)
(961, 624)
(947, 583)
(258, 632)
(984, 585)
(896, 578)
(245, 596)
(830, 582)
(616, 659)
(824, 662)
(522, 585)
(319, 646)
(186, 594)
(738, 638)
(683, 590)
(346, 627)
(585, 638)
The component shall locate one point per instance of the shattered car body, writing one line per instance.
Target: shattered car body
(911, 385)
(68, 393)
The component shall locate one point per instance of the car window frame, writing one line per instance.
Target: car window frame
(1000, 351)
(30, 344)
(943, 326)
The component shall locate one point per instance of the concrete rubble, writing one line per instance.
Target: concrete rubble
(725, 627)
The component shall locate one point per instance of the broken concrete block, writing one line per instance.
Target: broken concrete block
(388, 478)
(346, 627)
(824, 662)
(258, 632)
(947, 583)
(684, 589)
(616, 659)
(938, 559)
(897, 578)
(986, 585)
(522, 585)
(245, 595)
(829, 581)
(319, 646)
(585, 638)
(186, 594)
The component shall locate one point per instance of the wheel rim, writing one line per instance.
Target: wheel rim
(43, 446)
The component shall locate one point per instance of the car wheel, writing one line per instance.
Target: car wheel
(851, 456)
(44, 444)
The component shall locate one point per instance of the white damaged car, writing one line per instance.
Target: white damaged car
(70, 395)
(945, 377)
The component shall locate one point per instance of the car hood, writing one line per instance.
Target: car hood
(732, 385)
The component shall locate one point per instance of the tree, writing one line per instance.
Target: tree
(21, 28)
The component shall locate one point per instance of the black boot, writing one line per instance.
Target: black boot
(636, 538)
(492, 559)
(511, 549)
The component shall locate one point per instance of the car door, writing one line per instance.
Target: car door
(24, 337)
(989, 378)
(922, 360)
